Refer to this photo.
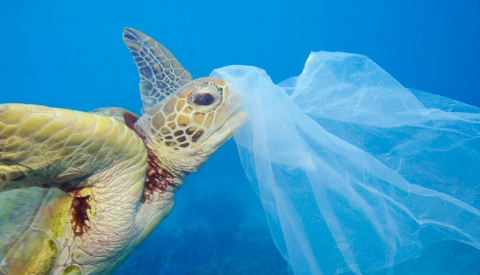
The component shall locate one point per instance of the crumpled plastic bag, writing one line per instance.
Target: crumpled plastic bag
(355, 172)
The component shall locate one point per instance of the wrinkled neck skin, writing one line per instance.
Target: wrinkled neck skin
(161, 182)
(159, 156)
(167, 171)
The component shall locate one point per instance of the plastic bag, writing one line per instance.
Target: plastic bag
(355, 172)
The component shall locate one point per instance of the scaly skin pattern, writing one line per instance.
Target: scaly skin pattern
(160, 72)
(98, 162)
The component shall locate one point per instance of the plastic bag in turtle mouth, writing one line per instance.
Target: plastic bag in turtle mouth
(355, 172)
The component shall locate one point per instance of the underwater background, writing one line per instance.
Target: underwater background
(70, 54)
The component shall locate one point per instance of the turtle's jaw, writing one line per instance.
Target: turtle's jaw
(235, 120)
(231, 126)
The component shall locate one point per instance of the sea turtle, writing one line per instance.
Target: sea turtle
(80, 191)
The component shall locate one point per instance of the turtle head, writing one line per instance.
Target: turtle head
(184, 121)
(189, 126)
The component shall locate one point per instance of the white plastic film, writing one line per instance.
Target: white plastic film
(355, 172)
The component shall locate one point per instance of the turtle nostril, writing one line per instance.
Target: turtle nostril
(204, 99)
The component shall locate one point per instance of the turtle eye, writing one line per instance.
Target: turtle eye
(203, 99)
(205, 96)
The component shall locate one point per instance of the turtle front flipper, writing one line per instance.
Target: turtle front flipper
(160, 72)
(49, 147)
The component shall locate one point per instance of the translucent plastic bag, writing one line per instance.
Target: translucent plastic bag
(355, 172)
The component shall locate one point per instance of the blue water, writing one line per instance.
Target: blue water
(70, 54)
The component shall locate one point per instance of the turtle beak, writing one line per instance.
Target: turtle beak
(236, 119)
(233, 124)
